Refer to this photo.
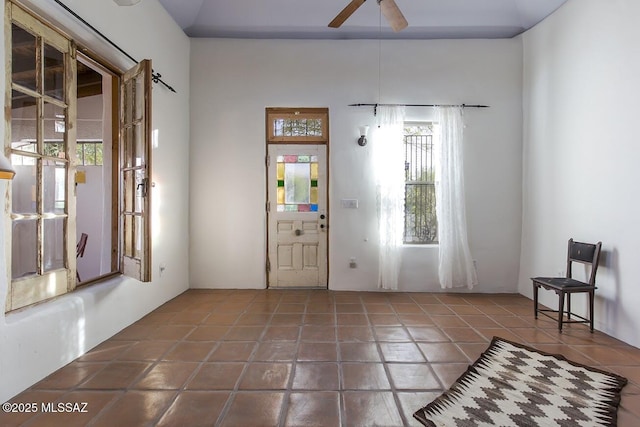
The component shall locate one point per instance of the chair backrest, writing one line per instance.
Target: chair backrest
(82, 243)
(584, 253)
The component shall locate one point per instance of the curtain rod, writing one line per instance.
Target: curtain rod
(375, 106)
(156, 77)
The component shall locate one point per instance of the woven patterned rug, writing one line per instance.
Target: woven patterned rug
(515, 385)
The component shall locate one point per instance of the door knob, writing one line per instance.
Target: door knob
(298, 232)
(322, 216)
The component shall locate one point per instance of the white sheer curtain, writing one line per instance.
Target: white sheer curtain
(388, 146)
(456, 267)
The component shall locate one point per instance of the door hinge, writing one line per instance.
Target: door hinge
(268, 266)
(268, 206)
(267, 161)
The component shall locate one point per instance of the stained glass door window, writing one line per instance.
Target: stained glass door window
(297, 177)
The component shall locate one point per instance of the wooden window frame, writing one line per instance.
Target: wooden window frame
(42, 285)
(20, 293)
(274, 113)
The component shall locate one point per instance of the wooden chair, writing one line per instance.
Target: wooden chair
(82, 244)
(584, 253)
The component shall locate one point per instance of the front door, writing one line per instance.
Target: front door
(297, 216)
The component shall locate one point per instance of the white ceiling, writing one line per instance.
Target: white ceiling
(308, 19)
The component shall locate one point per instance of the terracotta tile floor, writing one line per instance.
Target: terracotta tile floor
(304, 358)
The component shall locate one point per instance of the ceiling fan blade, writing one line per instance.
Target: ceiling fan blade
(346, 13)
(392, 13)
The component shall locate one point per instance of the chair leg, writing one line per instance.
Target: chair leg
(560, 310)
(569, 306)
(535, 301)
(591, 298)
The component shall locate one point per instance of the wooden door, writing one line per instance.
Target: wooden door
(297, 216)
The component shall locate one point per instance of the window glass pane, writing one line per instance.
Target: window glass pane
(138, 141)
(23, 122)
(54, 176)
(23, 57)
(53, 72)
(53, 244)
(139, 98)
(297, 127)
(421, 224)
(129, 192)
(128, 236)
(23, 186)
(54, 130)
(89, 154)
(278, 127)
(138, 237)
(128, 104)
(23, 255)
(80, 153)
(98, 150)
(139, 191)
(297, 182)
(128, 147)
(54, 149)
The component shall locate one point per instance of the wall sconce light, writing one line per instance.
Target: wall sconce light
(362, 141)
(6, 169)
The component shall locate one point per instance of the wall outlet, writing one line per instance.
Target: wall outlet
(353, 263)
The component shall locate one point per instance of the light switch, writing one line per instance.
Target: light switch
(349, 203)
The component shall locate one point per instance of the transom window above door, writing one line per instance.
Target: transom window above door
(297, 125)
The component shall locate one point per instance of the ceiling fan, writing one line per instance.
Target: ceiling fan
(389, 9)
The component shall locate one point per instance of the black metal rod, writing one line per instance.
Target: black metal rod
(375, 106)
(156, 77)
(422, 105)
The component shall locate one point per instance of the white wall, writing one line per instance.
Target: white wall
(38, 340)
(581, 152)
(232, 81)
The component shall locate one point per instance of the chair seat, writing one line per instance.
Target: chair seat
(563, 284)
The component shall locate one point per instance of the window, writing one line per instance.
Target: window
(420, 223)
(298, 125)
(56, 151)
(89, 153)
(135, 172)
(42, 105)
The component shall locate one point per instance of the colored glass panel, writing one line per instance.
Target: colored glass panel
(297, 183)
(297, 177)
